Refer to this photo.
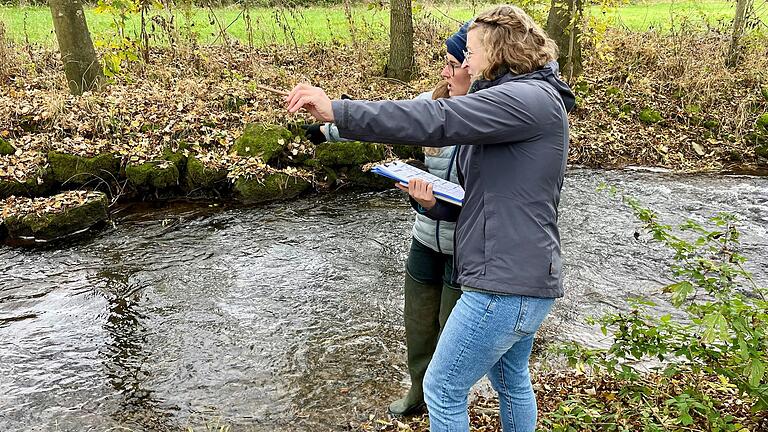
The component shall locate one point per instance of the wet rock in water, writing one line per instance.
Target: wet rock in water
(276, 186)
(72, 169)
(349, 153)
(155, 175)
(201, 177)
(264, 141)
(6, 148)
(51, 218)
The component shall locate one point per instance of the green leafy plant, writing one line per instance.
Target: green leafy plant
(703, 359)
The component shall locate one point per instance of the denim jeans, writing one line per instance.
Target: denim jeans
(485, 334)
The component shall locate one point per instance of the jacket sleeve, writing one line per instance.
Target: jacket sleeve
(442, 211)
(504, 113)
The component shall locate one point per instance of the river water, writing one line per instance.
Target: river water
(288, 316)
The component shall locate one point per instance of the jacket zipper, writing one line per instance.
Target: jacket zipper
(447, 177)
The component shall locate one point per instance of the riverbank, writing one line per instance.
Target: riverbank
(570, 398)
(194, 125)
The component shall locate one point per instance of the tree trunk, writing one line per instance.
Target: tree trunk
(81, 66)
(401, 63)
(563, 25)
(734, 52)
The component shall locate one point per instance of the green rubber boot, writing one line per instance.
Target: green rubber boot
(422, 328)
(448, 300)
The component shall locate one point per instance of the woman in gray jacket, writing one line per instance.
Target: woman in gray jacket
(429, 291)
(512, 129)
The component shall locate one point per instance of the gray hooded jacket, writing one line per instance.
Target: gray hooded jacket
(513, 133)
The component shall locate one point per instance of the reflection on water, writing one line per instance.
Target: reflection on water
(285, 317)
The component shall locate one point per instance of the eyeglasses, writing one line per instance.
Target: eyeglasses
(453, 67)
(467, 54)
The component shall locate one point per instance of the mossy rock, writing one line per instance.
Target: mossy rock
(154, 174)
(277, 186)
(199, 176)
(408, 151)
(31, 187)
(762, 123)
(650, 116)
(6, 148)
(50, 226)
(764, 92)
(73, 169)
(762, 151)
(327, 176)
(349, 153)
(711, 124)
(177, 159)
(366, 179)
(264, 141)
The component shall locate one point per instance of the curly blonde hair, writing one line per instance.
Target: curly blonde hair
(513, 41)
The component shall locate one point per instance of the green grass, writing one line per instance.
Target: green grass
(322, 24)
(313, 24)
(643, 15)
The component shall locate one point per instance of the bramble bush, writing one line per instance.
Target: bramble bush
(707, 360)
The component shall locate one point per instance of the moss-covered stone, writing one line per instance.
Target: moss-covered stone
(154, 174)
(711, 124)
(177, 158)
(408, 151)
(762, 123)
(349, 153)
(73, 169)
(762, 151)
(366, 179)
(264, 141)
(6, 148)
(32, 187)
(199, 176)
(51, 226)
(650, 116)
(277, 186)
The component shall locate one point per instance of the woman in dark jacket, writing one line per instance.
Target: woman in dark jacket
(512, 130)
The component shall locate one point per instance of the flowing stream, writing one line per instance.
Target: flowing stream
(288, 316)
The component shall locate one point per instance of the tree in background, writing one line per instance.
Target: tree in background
(401, 64)
(734, 52)
(81, 65)
(563, 26)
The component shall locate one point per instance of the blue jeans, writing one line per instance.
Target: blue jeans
(485, 334)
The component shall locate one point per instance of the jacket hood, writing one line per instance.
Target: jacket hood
(549, 73)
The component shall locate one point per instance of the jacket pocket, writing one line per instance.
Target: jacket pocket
(519, 241)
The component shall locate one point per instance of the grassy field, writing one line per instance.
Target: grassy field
(321, 24)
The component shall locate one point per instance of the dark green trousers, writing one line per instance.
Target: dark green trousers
(429, 299)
